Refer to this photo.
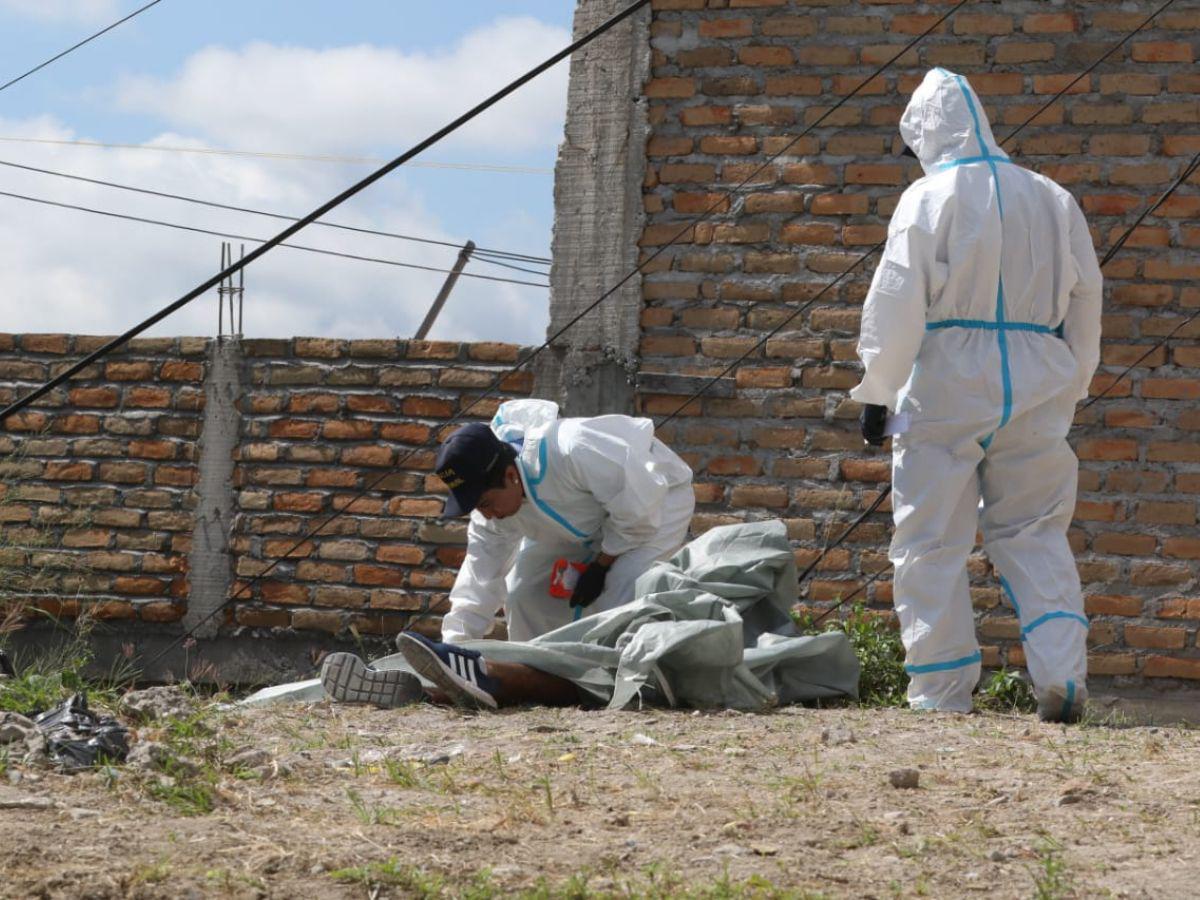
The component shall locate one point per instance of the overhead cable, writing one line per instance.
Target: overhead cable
(529, 357)
(74, 47)
(499, 254)
(1188, 172)
(319, 212)
(1088, 71)
(258, 240)
(267, 154)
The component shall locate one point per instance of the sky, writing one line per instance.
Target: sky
(356, 78)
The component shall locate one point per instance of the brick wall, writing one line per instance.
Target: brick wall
(321, 419)
(97, 482)
(733, 81)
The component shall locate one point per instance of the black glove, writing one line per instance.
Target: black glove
(873, 421)
(590, 585)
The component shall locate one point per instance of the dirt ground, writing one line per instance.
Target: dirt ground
(356, 802)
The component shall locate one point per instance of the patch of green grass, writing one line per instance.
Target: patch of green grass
(882, 680)
(187, 796)
(656, 881)
(1006, 690)
(47, 679)
(1051, 881)
(411, 880)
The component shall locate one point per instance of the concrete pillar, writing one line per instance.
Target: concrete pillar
(598, 218)
(210, 565)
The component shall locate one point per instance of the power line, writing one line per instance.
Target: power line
(499, 254)
(1088, 71)
(75, 47)
(521, 363)
(324, 208)
(292, 157)
(258, 240)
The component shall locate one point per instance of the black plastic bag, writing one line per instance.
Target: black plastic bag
(76, 738)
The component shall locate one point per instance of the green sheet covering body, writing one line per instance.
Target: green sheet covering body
(710, 627)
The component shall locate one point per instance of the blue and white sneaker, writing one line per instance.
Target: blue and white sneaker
(461, 673)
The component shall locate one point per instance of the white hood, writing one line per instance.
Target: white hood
(944, 121)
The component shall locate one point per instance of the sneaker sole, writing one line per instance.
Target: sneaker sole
(347, 679)
(429, 665)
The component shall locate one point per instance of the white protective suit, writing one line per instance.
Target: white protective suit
(983, 325)
(598, 485)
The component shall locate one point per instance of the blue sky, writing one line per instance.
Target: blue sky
(356, 78)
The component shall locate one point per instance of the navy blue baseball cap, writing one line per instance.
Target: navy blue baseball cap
(465, 462)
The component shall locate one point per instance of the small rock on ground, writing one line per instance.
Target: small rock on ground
(166, 701)
(15, 727)
(904, 778)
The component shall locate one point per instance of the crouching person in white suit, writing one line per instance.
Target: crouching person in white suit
(565, 515)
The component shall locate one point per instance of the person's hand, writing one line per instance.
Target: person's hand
(590, 585)
(873, 422)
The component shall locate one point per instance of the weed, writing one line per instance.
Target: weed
(1006, 690)
(412, 881)
(547, 793)
(186, 796)
(401, 773)
(152, 874)
(882, 680)
(1051, 881)
(369, 813)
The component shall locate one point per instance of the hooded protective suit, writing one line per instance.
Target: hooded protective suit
(599, 485)
(983, 325)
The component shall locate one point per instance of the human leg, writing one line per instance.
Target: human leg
(935, 501)
(1029, 482)
(464, 678)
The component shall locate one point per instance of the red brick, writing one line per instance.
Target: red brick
(725, 28)
(428, 407)
(1050, 23)
(252, 617)
(1171, 667)
(1108, 449)
(284, 592)
(68, 471)
(982, 23)
(161, 611)
(1112, 605)
(378, 576)
(1125, 544)
(1162, 52)
(100, 397)
(297, 502)
(178, 370)
(759, 495)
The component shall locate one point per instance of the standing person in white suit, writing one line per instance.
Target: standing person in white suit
(982, 328)
(565, 515)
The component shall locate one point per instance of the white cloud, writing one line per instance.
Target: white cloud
(61, 10)
(71, 271)
(352, 98)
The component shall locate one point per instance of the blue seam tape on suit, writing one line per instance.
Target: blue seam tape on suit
(1047, 617)
(1068, 701)
(538, 501)
(945, 666)
(984, 325)
(987, 157)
